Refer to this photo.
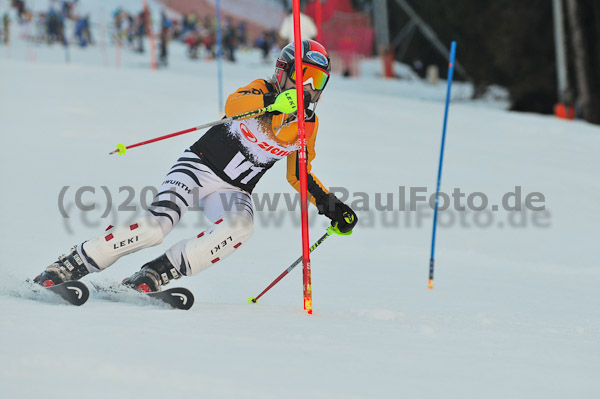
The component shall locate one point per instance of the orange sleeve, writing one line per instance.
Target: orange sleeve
(316, 190)
(247, 98)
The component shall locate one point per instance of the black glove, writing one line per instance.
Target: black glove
(269, 99)
(339, 213)
(307, 99)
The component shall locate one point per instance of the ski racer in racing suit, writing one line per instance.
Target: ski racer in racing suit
(218, 173)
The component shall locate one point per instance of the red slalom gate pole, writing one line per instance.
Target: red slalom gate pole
(298, 50)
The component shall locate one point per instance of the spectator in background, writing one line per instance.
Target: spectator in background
(190, 23)
(265, 43)
(53, 28)
(229, 39)
(140, 30)
(183, 24)
(165, 31)
(209, 37)
(242, 34)
(308, 28)
(119, 17)
(6, 28)
(39, 35)
(19, 5)
(130, 30)
(64, 16)
(68, 8)
(209, 23)
(260, 42)
(82, 31)
(193, 41)
(175, 29)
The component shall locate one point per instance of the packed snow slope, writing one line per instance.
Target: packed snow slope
(514, 312)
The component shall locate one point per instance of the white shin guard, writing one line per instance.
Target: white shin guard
(103, 251)
(225, 236)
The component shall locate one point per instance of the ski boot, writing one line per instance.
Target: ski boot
(153, 275)
(66, 268)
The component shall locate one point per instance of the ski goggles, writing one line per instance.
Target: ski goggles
(317, 77)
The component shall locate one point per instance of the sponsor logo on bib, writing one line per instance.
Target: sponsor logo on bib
(248, 134)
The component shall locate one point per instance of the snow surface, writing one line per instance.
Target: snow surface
(514, 312)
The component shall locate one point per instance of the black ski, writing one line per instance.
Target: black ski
(75, 292)
(177, 297)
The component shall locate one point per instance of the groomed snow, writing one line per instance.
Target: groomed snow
(514, 312)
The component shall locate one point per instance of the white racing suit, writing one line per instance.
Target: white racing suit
(227, 207)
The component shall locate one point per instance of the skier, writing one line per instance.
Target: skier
(220, 170)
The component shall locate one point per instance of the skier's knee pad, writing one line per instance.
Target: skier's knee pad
(103, 251)
(226, 235)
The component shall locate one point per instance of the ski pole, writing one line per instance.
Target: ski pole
(282, 104)
(122, 149)
(330, 231)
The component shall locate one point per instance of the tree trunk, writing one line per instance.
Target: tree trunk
(588, 96)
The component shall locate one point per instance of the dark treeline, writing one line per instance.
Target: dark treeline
(584, 39)
(511, 43)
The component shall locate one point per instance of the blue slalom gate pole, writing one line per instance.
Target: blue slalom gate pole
(439, 177)
(220, 57)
